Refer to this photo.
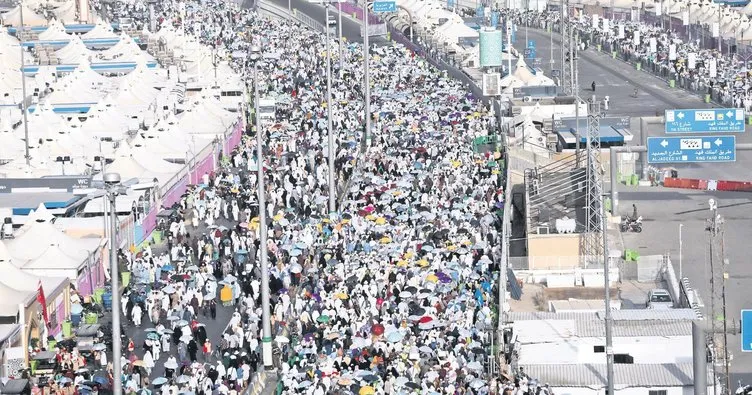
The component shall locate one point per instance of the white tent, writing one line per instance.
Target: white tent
(11, 298)
(20, 280)
(75, 52)
(66, 12)
(55, 31)
(31, 18)
(54, 259)
(25, 246)
(100, 30)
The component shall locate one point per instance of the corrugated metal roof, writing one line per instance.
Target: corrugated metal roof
(632, 375)
(545, 315)
(651, 315)
(596, 328)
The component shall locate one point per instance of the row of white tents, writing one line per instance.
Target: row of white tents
(140, 120)
(66, 11)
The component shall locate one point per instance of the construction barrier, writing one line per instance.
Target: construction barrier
(707, 185)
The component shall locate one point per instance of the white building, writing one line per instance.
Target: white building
(652, 351)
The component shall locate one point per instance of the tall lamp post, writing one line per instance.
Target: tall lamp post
(329, 105)
(24, 107)
(266, 335)
(113, 188)
(366, 78)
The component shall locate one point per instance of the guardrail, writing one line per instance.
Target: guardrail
(306, 20)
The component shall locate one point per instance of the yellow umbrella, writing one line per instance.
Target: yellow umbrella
(422, 263)
(409, 254)
(342, 296)
(451, 248)
(381, 221)
(456, 163)
(466, 243)
(367, 390)
(325, 220)
(371, 217)
(397, 193)
(432, 278)
(278, 217)
(402, 263)
(345, 221)
(255, 219)
(386, 240)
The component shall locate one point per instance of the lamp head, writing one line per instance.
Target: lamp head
(111, 178)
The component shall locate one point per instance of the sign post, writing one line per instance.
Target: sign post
(704, 149)
(381, 7)
(746, 330)
(715, 120)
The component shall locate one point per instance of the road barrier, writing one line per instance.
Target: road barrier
(708, 185)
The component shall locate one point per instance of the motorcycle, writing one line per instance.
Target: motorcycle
(629, 224)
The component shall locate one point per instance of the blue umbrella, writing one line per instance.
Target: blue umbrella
(159, 381)
(77, 309)
(295, 252)
(395, 337)
(167, 268)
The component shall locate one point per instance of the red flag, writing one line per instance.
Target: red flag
(43, 302)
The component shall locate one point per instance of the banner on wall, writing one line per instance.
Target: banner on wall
(653, 45)
(595, 21)
(621, 32)
(672, 52)
(692, 60)
(606, 27)
(636, 38)
(716, 31)
(712, 68)
(658, 9)
(685, 18)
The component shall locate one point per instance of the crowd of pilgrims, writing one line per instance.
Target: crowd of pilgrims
(395, 292)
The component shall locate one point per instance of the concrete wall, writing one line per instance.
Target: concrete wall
(556, 251)
(653, 350)
(688, 390)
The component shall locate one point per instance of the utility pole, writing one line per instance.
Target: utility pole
(366, 79)
(329, 112)
(564, 80)
(609, 319)
(24, 107)
(266, 327)
(592, 243)
(718, 326)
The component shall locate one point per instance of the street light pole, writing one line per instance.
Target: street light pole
(329, 105)
(24, 107)
(266, 336)
(340, 39)
(366, 79)
(111, 181)
(681, 274)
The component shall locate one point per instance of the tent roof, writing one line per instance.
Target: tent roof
(31, 18)
(26, 245)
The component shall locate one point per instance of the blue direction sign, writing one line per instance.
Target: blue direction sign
(691, 149)
(746, 330)
(531, 44)
(712, 120)
(384, 6)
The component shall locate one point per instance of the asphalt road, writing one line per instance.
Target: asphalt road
(350, 28)
(613, 78)
(663, 211)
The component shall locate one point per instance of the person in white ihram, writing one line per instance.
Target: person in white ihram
(136, 315)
